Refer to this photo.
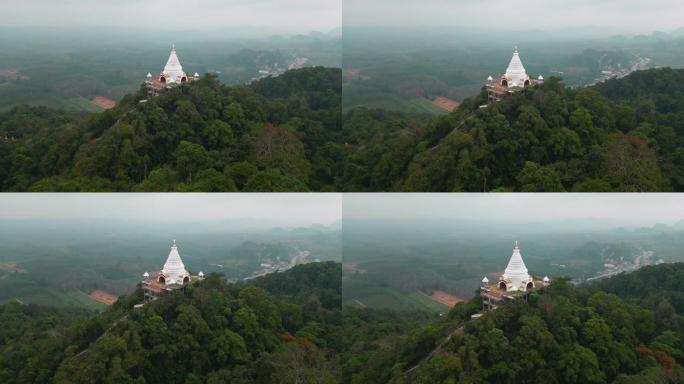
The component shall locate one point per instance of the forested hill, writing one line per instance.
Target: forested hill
(257, 332)
(276, 134)
(622, 135)
(626, 330)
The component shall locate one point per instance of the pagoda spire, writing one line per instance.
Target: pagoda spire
(516, 73)
(173, 70)
(174, 270)
(516, 274)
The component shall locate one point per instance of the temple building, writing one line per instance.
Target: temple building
(171, 277)
(514, 283)
(170, 76)
(515, 79)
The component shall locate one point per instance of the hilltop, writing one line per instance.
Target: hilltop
(627, 329)
(281, 328)
(621, 135)
(276, 134)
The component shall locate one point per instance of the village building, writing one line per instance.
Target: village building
(171, 277)
(172, 75)
(514, 79)
(515, 283)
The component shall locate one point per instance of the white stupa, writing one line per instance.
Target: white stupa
(173, 70)
(515, 75)
(516, 277)
(174, 271)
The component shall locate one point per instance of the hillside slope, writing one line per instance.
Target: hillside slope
(563, 334)
(276, 134)
(623, 135)
(212, 333)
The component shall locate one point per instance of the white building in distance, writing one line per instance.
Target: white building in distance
(515, 78)
(172, 74)
(516, 282)
(171, 277)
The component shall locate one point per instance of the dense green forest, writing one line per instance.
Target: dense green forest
(628, 329)
(286, 134)
(622, 135)
(282, 328)
(276, 134)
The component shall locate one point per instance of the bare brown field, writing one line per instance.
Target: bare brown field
(446, 103)
(354, 74)
(445, 298)
(352, 267)
(12, 74)
(104, 102)
(12, 267)
(103, 297)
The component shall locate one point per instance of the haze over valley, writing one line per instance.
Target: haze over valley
(58, 261)
(81, 56)
(427, 58)
(400, 250)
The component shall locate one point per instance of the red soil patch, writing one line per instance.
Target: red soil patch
(445, 298)
(353, 267)
(104, 102)
(12, 267)
(354, 74)
(103, 297)
(12, 74)
(446, 103)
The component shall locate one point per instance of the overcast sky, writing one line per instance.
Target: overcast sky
(622, 209)
(296, 16)
(626, 15)
(280, 209)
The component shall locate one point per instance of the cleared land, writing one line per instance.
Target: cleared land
(11, 267)
(12, 74)
(354, 74)
(445, 298)
(103, 297)
(104, 102)
(446, 103)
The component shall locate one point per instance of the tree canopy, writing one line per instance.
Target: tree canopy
(622, 135)
(271, 330)
(628, 329)
(276, 134)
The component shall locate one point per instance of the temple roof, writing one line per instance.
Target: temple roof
(173, 70)
(515, 73)
(174, 269)
(516, 265)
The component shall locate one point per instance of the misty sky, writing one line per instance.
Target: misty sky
(295, 16)
(280, 209)
(620, 15)
(620, 209)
